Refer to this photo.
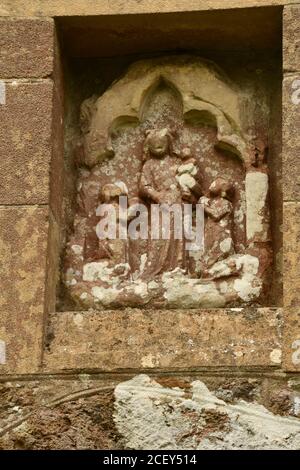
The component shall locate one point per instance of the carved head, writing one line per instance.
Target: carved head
(158, 142)
(221, 187)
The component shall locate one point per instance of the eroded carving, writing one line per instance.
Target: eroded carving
(169, 133)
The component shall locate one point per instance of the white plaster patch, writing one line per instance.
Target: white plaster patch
(150, 416)
(105, 295)
(152, 285)
(140, 289)
(256, 193)
(96, 270)
(180, 290)
(102, 271)
(150, 361)
(186, 181)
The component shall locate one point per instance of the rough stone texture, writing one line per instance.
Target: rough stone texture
(25, 142)
(291, 144)
(23, 247)
(52, 267)
(291, 340)
(291, 38)
(57, 159)
(150, 416)
(193, 163)
(291, 254)
(137, 339)
(82, 412)
(235, 30)
(57, 414)
(26, 47)
(90, 7)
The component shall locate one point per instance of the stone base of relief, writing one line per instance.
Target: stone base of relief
(235, 282)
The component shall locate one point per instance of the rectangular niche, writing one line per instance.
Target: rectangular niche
(174, 109)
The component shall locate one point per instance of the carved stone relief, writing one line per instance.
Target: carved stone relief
(169, 132)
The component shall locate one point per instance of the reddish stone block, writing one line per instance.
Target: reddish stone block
(26, 47)
(26, 142)
(23, 248)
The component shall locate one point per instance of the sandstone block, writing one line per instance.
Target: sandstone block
(291, 144)
(26, 47)
(23, 249)
(291, 254)
(137, 339)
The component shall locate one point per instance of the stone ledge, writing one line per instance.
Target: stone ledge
(137, 339)
(90, 7)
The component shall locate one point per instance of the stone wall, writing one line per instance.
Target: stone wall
(200, 379)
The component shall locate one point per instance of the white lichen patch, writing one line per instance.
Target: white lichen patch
(96, 270)
(275, 356)
(248, 287)
(150, 416)
(185, 292)
(105, 295)
(102, 271)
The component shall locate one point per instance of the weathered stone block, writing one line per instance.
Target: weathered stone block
(201, 411)
(23, 248)
(291, 144)
(137, 339)
(291, 38)
(25, 142)
(291, 254)
(151, 416)
(53, 259)
(57, 160)
(291, 340)
(90, 7)
(26, 47)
